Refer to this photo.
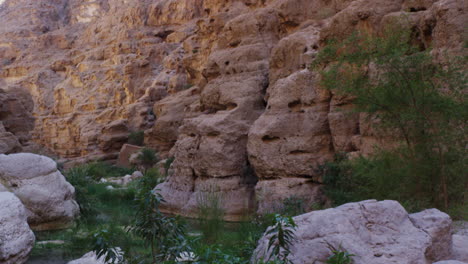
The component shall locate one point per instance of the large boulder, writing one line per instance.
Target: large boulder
(375, 232)
(16, 238)
(44, 191)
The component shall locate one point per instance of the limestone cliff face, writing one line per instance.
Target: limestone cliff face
(223, 86)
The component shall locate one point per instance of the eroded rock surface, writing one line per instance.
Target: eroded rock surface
(375, 232)
(222, 86)
(16, 238)
(44, 191)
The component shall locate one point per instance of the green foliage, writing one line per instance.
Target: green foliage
(148, 158)
(98, 170)
(136, 138)
(340, 257)
(103, 243)
(281, 238)
(78, 177)
(165, 235)
(416, 103)
(210, 214)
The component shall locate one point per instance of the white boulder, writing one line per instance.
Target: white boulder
(375, 232)
(44, 191)
(16, 238)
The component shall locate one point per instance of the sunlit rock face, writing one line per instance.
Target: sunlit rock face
(222, 86)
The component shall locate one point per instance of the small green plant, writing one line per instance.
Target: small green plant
(136, 138)
(339, 256)
(167, 165)
(281, 238)
(148, 158)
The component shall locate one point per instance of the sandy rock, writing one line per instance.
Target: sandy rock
(375, 232)
(125, 154)
(47, 196)
(16, 238)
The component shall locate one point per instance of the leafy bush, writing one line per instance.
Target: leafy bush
(418, 104)
(281, 238)
(136, 138)
(165, 235)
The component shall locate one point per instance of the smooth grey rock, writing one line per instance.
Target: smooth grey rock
(44, 191)
(16, 238)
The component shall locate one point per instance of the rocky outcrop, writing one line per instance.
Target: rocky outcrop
(375, 232)
(16, 238)
(44, 191)
(16, 120)
(222, 86)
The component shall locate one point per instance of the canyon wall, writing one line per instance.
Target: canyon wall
(224, 86)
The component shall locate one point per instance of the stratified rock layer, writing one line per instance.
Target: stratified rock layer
(44, 191)
(16, 238)
(374, 232)
(222, 86)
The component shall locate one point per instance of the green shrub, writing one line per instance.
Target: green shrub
(136, 138)
(164, 235)
(420, 107)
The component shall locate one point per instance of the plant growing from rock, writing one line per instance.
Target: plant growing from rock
(281, 238)
(339, 256)
(148, 158)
